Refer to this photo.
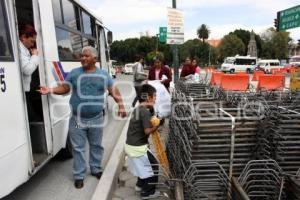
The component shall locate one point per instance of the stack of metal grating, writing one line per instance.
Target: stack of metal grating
(217, 135)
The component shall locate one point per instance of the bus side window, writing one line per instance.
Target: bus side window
(5, 41)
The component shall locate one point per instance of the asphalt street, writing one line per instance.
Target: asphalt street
(54, 181)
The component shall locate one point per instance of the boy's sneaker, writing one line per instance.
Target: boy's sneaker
(151, 196)
(137, 188)
(78, 183)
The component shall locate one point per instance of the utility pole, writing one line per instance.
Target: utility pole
(175, 53)
(156, 48)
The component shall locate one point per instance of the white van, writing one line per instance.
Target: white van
(269, 64)
(128, 68)
(112, 68)
(239, 64)
(295, 60)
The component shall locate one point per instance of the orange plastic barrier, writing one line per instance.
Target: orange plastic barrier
(235, 82)
(275, 70)
(210, 70)
(271, 82)
(256, 75)
(216, 78)
(283, 70)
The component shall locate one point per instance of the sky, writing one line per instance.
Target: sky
(130, 18)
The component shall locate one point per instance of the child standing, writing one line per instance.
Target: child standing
(141, 161)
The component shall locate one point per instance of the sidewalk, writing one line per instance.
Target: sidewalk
(126, 181)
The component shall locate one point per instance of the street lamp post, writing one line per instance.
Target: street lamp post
(156, 48)
(175, 53)
(209, 55)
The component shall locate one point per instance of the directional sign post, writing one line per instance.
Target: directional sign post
(289, 18)
(162, 34)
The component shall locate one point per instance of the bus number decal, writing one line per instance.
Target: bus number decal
(2, 80)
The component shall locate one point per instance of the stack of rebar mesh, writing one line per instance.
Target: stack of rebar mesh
(213, 139)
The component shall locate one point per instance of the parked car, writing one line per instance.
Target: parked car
(112, 68)
(128, 68)
(269, 64)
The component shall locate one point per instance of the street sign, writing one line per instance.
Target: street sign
(289, 18)
(175, 33)
(162, 34)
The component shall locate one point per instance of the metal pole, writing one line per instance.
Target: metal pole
(175, 53)
(209, 55)
(156, 49)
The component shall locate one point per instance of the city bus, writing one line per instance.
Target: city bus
(63, 28)
(239, 64)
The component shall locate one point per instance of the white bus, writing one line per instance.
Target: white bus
(63, 28)
(239, 64)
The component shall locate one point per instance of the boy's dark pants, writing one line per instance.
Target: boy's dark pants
(148, 185)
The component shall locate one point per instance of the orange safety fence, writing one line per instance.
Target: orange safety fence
(256, 75)
(210, 70)
(283, 70)
(216, 78)
(241, 72)
(235, 82)
(271, 82)
(274, 70)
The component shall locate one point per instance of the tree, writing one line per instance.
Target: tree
(203, 32)
(244, 35)
(275, 44)
(230, 45)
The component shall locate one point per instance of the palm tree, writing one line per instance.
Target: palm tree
(203, 32)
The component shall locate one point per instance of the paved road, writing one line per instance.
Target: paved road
(54, 181)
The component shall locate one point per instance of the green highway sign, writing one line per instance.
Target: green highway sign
(162, 34)
(289, 18)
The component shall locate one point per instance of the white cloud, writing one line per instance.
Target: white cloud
(131, 11)
(127, 18)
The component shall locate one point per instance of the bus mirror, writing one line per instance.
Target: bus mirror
(109, 37)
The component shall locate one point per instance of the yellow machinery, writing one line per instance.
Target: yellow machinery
(295, 80)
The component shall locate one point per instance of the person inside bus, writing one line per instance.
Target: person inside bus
(160, 72)
(187, 69)
(88, 84)
(29, 63)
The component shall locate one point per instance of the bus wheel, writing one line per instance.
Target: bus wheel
(66, 153)
(231, 71)
(248, 71)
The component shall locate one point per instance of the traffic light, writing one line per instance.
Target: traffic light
(276, 24)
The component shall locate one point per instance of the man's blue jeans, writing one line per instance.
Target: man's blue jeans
(80, 130)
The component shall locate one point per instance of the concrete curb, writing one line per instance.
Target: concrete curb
(108, 181)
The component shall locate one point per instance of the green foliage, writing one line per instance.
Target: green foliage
(244, 35)
(231, 45)
(151, 55)
(275, 44)
(199, 50)
(203, 32)
(271, 44)
(125, 51)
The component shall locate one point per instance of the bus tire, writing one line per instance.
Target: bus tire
(231, 71)
(248, 71)
(67, 152)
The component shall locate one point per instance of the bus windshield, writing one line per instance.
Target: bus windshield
(240, 61)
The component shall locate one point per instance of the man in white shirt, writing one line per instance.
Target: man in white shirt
(138, 77)
(29, 62)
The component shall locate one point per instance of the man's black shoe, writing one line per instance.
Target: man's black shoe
(97, 175)
(78, 183)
